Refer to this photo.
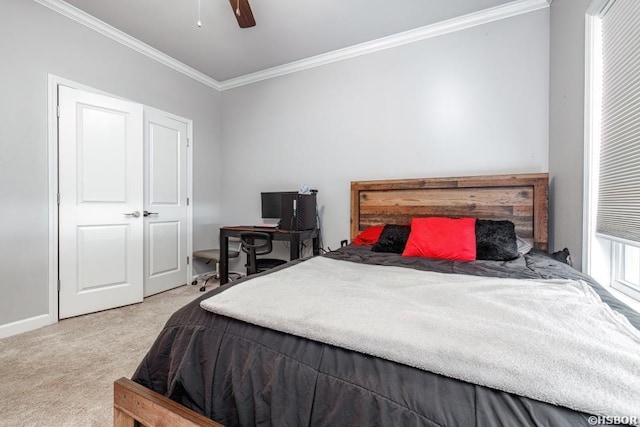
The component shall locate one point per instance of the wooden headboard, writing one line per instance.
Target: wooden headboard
(521, 199)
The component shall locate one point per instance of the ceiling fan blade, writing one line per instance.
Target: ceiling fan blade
(245, 18)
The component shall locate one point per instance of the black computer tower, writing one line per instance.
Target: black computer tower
(298, 212)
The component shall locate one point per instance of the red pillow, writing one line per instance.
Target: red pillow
(369, 236)
(442, 238)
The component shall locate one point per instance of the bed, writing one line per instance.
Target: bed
(206, 366)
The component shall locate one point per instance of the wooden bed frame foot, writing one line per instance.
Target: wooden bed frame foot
(135, 405)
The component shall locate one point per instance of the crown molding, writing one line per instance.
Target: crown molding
(497, 13)
(485, 16)
(113, 33)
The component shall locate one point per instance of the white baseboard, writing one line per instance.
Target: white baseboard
(24, 325)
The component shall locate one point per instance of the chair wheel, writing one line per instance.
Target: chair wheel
(202, 289)
(195, 282)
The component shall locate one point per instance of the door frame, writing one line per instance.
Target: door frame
(53, 82)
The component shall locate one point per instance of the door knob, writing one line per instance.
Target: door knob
(147, 213)
(134, 214)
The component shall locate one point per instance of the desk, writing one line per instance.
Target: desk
(293, 237)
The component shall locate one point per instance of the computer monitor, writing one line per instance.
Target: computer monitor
(272, 204)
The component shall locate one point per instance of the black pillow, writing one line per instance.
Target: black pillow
(393, 239)
(496, 240)
(563, 256)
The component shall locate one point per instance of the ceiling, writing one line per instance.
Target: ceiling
(286, 30)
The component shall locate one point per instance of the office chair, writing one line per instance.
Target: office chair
(254, 244)
(212, 255)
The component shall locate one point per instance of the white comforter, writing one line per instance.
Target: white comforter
(553, 341)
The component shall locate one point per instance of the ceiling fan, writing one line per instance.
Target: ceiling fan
(243, 13)
(241, 9)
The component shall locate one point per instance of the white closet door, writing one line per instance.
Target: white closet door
(165, 202)
(101, 202)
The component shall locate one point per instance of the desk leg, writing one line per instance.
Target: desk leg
(294, 243)
(316, 245)
(223, 266)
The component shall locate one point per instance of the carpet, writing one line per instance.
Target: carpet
(62, 374)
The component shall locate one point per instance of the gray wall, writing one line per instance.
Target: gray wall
(470, 102)
(35, 41)
(566, 124)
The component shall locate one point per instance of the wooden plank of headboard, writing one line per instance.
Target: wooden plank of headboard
(522, 199)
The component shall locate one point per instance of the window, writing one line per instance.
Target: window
(612, 219)
(626, 272)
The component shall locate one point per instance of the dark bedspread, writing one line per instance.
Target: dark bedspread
(241, 374)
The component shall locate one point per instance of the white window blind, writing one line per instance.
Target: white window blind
(619, 187)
